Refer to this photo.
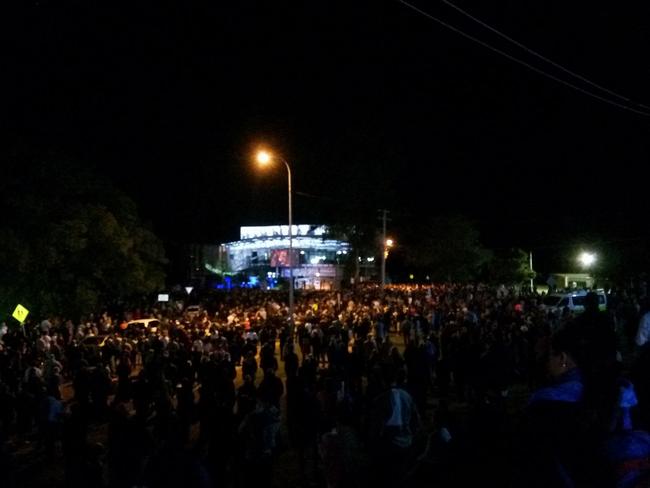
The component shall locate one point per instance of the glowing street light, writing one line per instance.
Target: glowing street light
(587, 259)
(388, 243)
(265, 158)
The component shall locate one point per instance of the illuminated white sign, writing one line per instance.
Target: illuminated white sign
(257, 231)
(163, 297)
(313, 243)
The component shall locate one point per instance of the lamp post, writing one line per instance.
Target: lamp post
(265, 158)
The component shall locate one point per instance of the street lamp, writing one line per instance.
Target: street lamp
(265, 158)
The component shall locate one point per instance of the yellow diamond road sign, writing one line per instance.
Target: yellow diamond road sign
(20, 314)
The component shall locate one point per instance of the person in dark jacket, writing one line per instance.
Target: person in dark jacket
(246, 398)
(271, 388)
(555, 447)
(257, 435)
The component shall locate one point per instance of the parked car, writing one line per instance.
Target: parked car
(574, 300)
(150, 324)
(192, 311)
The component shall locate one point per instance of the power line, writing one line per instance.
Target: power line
(409, 214)
(538, 55)
(523, 63)
(344, 202)
(481, 221)
(318, 197)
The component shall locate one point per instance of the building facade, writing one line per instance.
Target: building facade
(262, 254)
(569, 281)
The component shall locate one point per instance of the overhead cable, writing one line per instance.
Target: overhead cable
(538, 55)
(524, 63)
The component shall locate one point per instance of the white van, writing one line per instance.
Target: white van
(575, 300)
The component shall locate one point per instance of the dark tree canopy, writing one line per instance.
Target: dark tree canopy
(70, 242)
(510, 267)
(449, 249)
(363, 241)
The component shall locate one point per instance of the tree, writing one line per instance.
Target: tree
(70, 243)
(449, 250)
(362, 239)
(509, 267)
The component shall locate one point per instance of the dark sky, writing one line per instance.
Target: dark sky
(374, 106)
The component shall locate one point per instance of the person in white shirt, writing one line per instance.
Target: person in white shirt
(251, 335)
(46, 325)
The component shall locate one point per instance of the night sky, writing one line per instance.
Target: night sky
(374, 105)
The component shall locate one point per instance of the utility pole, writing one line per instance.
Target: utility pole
(530, 263)
(383, 249)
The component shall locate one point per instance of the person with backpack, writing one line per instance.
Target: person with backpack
(393, 424)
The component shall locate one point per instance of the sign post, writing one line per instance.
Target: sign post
(20, 314)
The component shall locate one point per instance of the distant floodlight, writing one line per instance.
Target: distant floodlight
(587, 259)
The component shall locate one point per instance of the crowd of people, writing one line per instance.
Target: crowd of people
(366, 387)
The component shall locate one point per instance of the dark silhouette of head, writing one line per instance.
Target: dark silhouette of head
(591, 302)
